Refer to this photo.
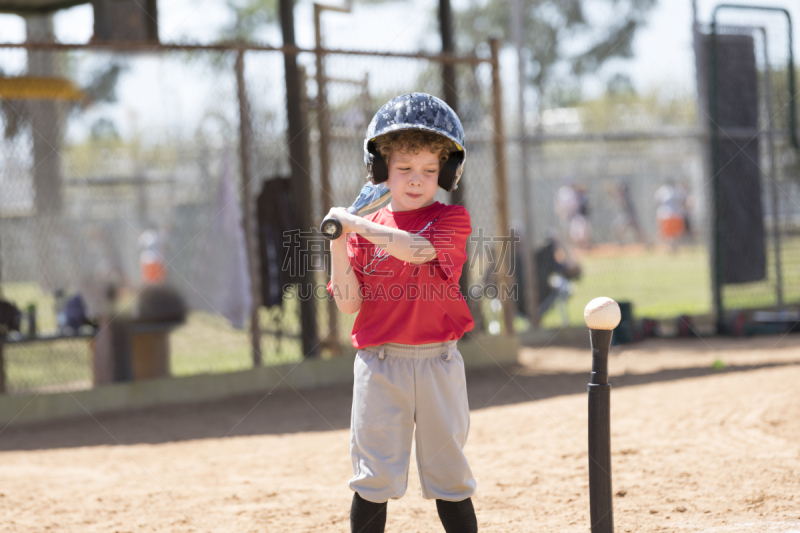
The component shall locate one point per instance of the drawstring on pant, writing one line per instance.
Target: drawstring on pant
(450, 349)
(381, 355)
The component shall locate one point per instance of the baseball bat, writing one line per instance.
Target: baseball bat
(371, 196)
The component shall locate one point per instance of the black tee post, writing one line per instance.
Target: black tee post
(600, 504)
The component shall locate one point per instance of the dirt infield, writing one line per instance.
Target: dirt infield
(694, 449)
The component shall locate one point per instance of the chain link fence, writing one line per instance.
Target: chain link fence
(628, 202)
(595, 201)
(755, 172)
(120, 167)
(122, 170)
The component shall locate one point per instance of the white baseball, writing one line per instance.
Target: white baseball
(602, 313)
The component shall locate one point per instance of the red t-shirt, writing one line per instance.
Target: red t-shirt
(407, 303)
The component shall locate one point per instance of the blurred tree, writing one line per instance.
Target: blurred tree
(101, 87)
(564, 39)
(623, 108)
(620, 85)
(11, 115)
(103, 129)
(249, 17)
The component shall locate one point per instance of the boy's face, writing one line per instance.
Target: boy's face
(413, 179)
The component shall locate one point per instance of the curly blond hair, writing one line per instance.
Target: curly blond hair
(414, 141)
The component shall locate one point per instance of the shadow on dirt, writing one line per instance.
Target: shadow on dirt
(287, 411)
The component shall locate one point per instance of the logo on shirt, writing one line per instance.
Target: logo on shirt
(379, 255)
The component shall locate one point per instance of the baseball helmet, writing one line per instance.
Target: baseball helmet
(423, 112)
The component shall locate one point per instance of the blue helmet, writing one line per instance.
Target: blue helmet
(423, 112)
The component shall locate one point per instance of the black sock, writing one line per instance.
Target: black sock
(366, 516)
(457, 517)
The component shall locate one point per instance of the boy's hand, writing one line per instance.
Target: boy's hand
(345, 219)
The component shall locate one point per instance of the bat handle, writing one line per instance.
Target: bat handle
(331, 228)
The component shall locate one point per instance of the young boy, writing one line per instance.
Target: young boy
(400, 268)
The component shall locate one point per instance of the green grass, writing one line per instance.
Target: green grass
(659, 283)
(206, 343)
(665, 284)
(762, 294)
(24, 294)
(46, 365)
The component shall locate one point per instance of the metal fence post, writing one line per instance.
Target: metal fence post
(500, 183)
(716, 271)
(301, 180)
(528, 247)
(2, 336)
(248, 213)
(331, 340)
(2, 366)
(450, 92)
(776, 232)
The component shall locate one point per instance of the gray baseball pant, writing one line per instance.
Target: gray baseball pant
(399, 387)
